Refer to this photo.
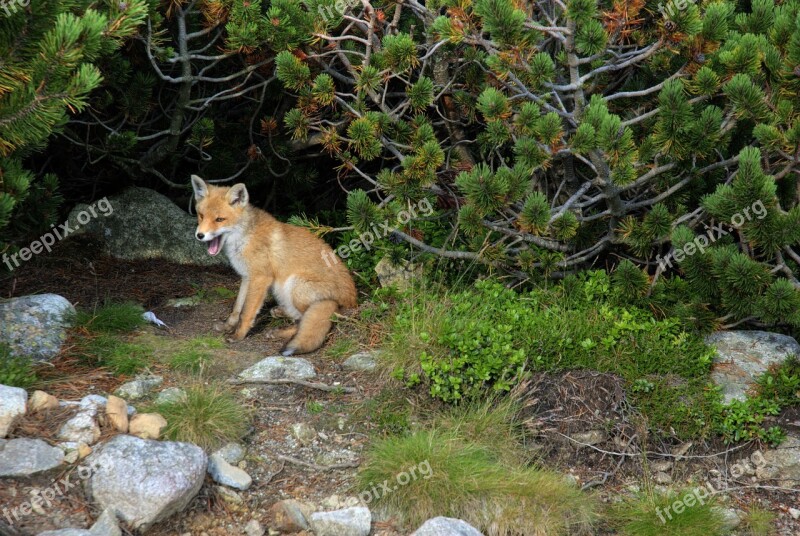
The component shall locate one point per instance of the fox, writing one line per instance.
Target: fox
(272, 256)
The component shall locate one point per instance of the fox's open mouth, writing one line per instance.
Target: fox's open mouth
(214, 245)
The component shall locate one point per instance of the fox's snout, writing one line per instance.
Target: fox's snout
(199, 235)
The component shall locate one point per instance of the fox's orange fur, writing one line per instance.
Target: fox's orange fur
(272, 256)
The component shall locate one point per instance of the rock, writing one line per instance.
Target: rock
(354, 521)
(592, 437)
(781, 464)
(397, 275)
(360, 362)
(139, 387)
(446, 526)
(795, 513)
(730, 517)
(228, 495)
(117, 413)
(12, 405)
(147, 425)
(254, 528)
(25, 457)
(66, 532)
(35, 326)
(744, 355)
(304, 433)
(662, 478)
(226, 474)
(169, 395)
(83, 450)
(290, 515)
(661, 466)
(189, 301)
(95, 402)
(145, 481)
(82, 428)
(41, 401)
(232, 453)
(278, 368)
(141, 223)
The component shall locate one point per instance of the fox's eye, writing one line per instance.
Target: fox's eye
(220, 220)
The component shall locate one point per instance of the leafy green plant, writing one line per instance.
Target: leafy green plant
(742, 420)
(781, 383)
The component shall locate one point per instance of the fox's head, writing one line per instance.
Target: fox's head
(219, 209)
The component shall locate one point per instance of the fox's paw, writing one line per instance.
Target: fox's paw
(223, 327)
(288, 351)
(278, 312)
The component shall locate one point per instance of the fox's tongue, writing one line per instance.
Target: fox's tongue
(213, 246)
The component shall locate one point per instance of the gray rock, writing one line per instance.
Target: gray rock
(446, 526)
(95, 402)
(781, 464)
(13, 401)
(354, 521)
(253, 528)
(25, 457)
(35, 326)
(82, 428)
(189, 301)
(139, 387)
(144, 481)
(143, 224)
(360, 362)
(106, 525)
(662, 478)
(742, 356)
(232, 453)
(278, 368)
(228, 475)
(592, 437)
(169, 395)
(304, 433)
(67, 532)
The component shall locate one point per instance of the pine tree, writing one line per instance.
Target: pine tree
(47, 71)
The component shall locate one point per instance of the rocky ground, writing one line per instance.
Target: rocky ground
(306, 442)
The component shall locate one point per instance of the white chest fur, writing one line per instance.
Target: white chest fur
(282, 291)
(234, 250)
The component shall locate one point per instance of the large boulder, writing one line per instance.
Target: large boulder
(141, 223)
(145, 481)
(742, 356)
(26, 457)
(35, 326)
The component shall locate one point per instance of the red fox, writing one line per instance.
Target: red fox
(271, 255)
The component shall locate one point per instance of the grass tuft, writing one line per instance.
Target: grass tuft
(16, 371)
(195, 354)
(639, 515)
(121, 357)
(111, 318)
(455, 468)
(208, 416)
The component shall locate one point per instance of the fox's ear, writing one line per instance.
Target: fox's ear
(238, 196)
(200, 188)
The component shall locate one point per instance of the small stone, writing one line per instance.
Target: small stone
(106, 525)
(278, 368)
(71, 456)
(41, 401)
(304, 433)
(354, 521)
(25, 457)
(170, 395)
(254, 528)
(82, 428)
(139, 387)
(226, 474)
(232, 453)
(12, 405)
(190, 301)
(795, 513)
(117, 413)
(661, 466)
(96, 402)
(446, 526)
(730, 517)
(662, 478)
(228, 495)
(290, 515)
(147, 425)
(360, 362)
(84, 450)
(590, 438)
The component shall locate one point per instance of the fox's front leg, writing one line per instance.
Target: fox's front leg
(254, 298)
(233, 319)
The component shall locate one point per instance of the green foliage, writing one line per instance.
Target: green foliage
(195, 354)
(653, 514)
(121, 357)
(111, 317)
(15, 371)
